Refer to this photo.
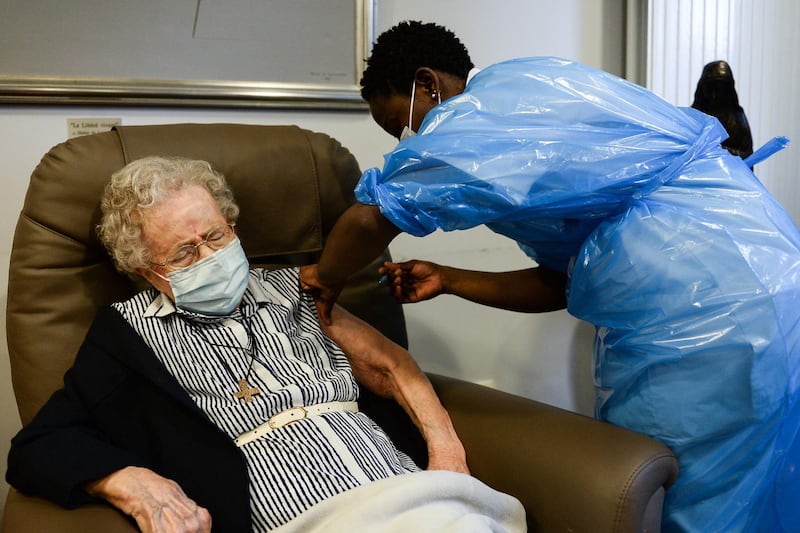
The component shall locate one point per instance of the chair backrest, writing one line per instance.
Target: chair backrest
(291, 185)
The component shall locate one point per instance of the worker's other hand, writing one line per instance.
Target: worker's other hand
(413, 281)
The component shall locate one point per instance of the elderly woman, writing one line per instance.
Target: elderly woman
(215, 394)
(638, 222)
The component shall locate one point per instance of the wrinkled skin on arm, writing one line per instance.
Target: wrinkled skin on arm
(388, 370)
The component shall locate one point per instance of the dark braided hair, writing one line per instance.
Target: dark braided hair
(401, 50)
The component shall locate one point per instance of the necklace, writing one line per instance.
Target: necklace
(246, 392)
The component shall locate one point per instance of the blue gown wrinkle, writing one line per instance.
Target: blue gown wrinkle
(686, 265)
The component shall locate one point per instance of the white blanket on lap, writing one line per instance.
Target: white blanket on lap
(428, 501)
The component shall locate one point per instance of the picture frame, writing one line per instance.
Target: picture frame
(236, 53)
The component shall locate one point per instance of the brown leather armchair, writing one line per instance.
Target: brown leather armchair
(572, 473)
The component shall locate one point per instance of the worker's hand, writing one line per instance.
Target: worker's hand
(325, 296)
(156, 503)
(413, 281)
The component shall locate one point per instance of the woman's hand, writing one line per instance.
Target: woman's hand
(157, 504)
(453, 459)
(413, 281)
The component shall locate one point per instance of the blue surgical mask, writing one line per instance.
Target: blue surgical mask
(215, 284)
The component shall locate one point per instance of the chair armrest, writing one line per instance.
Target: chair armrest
(571, 472)
(28, 514)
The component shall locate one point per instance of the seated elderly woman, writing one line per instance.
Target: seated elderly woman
(215, 394)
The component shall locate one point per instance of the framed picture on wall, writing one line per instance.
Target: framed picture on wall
(242, 53)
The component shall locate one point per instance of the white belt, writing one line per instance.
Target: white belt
(293, 415)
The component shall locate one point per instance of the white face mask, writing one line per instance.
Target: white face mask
(215, 284)
(407, 132)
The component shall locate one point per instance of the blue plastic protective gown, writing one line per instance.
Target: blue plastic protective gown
(685, 264)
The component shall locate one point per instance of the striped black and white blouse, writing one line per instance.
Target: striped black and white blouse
(293, 364)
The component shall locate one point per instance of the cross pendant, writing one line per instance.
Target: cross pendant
(246, 392)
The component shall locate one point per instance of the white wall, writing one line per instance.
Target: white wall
(546, 357)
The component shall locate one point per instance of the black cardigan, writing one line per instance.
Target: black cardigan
(120, 407)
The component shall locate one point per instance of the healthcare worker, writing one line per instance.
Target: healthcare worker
(637, 220)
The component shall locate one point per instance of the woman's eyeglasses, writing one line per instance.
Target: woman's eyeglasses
(219, 237)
